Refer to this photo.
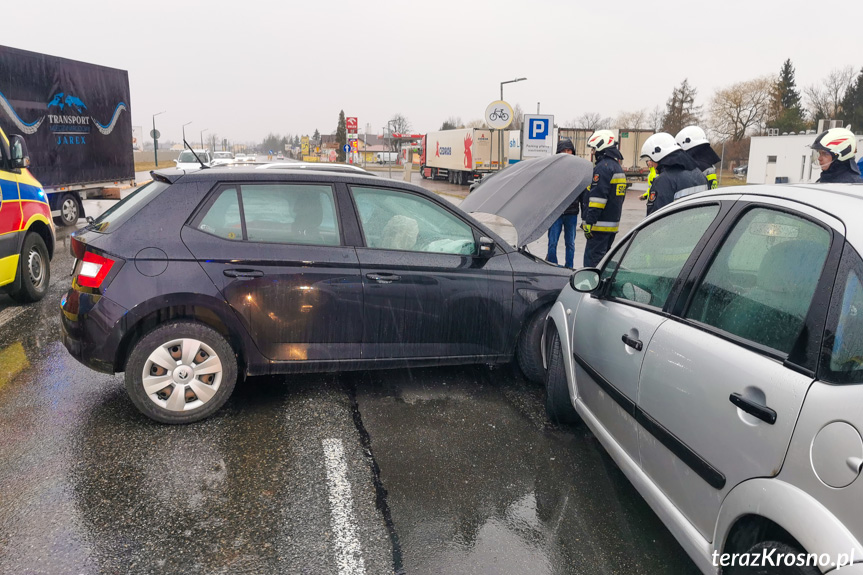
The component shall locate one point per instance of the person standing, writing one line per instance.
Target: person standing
(834, 150)
(694, 142)
(568, 222)
(605, 195)
(651, 175)
(677, 174)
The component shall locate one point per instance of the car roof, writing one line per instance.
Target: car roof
(842, 201)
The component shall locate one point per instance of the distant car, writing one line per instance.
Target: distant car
(221, 158)
(187, 161)
(717, 355)
(280, 157)
(741, 170)
(325, 167)
(283, 271)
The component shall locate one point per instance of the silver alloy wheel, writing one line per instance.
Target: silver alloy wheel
(69, 210)
(36, 268)
(182, 374)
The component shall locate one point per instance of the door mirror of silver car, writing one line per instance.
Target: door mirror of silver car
(486, 247)
(18, 153)
(585, 280)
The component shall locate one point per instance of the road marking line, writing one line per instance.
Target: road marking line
(349, 554)
(11, 313)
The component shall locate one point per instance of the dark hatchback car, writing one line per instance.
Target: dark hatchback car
(197, 278)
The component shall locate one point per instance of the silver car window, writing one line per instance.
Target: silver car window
(657, 253)
(290, 213)
(843, 344)
(761, 283)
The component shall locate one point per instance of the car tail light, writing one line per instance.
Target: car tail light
(93, 270)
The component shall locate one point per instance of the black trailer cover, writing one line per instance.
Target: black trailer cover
(74, 117)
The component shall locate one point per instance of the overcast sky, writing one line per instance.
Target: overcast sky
(242, 69)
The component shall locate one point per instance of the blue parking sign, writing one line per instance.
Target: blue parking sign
(538, 128)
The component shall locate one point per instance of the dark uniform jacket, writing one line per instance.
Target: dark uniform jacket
(605, 196)
(841, 172)
(678, 177)
(705, 158)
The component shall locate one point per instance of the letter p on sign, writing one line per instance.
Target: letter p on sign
(538, 128)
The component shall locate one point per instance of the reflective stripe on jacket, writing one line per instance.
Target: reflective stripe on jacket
(605, 196)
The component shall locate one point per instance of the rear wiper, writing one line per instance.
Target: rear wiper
(203, 167)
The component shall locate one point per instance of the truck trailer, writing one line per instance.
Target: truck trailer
(75, 120)
(460, 156)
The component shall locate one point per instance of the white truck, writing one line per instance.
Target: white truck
(461, 156)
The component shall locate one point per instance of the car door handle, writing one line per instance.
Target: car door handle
(243, 273)
(762, 412)
(633, 343)
(384, 278)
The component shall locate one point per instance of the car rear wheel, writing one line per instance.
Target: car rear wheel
(69, 210)
(529, 349)
(181, 372)
(776, 551)
(34, 267)
(558, 405)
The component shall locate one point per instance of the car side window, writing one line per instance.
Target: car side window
(843, 345)
(290, 214)
(394, 220)
(761, 282)
(657, 253)
(223, 216)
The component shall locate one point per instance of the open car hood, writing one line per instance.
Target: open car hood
(532, 193)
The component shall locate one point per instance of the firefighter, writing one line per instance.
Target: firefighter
(677, 174)
(651, 175)
(605, 196)
(834, 151)
(694, 142)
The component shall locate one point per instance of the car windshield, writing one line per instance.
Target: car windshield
(223, 155)
(188, 157)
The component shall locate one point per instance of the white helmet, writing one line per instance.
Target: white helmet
(602, 140)
(658, 146)
(691, 136)
(840, 142)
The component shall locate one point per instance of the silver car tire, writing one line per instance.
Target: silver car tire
(181, 372)
(558, 405)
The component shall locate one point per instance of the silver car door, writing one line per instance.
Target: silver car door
(718, 398)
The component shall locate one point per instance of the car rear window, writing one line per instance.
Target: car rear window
(128, 206)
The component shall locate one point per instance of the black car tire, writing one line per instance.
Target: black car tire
(161, 336)
(558, 405)
(529, 349)
(70, 210)
(34, 269)
(779, 568)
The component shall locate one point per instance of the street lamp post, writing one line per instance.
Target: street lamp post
(202, 137)
(184, 131)
(156, 140)
(500, 138)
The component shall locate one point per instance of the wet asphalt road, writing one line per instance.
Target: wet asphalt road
(451, 470)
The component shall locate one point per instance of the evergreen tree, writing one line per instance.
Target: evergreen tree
(316, 136)
(680, 109)
(341, 136)
(852, 105)
(786, 111)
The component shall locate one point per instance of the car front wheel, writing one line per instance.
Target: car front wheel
(558, 405)
(529, 349)
(181, 372)
(34, 267)
(777, 551)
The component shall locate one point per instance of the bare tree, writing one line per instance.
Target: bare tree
(825, 99)
(478, 124)
(656, 119)
(590, 121)
(637, 120)
(741, 109)
(517, 118)
(398, 124)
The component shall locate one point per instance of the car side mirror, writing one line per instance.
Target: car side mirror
(18, 155)
(486, 247)
(584, 280)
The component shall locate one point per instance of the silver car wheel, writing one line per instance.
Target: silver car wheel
(69, 210)
(182, 375)
(36, 268)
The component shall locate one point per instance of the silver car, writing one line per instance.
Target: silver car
(717, 354)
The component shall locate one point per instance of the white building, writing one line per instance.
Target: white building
(785, 159)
